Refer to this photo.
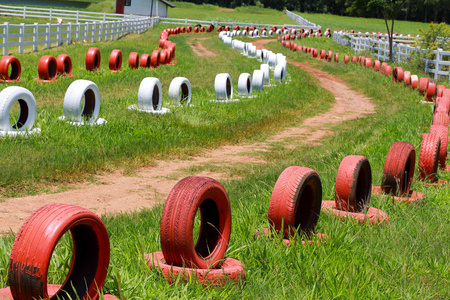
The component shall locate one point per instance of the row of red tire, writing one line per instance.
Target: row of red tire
(433, 152)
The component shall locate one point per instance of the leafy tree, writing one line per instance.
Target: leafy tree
(389, 9)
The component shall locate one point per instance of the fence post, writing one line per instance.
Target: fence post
(21, 37)
(69, 34)
(5, 38)
(58, 36)
(47, 36)
(94, 26)
(78, 16)
(437, 65)
(100, 32)
(51, 13)
(186, 22)
(35, 36)
(24, 12)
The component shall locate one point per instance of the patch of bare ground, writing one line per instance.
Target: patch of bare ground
(199, 49)
(115, 193)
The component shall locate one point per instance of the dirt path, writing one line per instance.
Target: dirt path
(116, 193)
(199, 49)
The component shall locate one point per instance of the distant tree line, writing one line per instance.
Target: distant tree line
(414, 10)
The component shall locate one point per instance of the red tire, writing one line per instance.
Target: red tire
(397, 74)
(47, 68)
(398, 169)
(34, 245)
(423, 85)
(231, 270)
(64, 64)
(443, 103)
(16, 69)
(414, 81)
(407, 78)
(354, 59)
(177, 222)
(133, 60)
(368, 62)
(440, 90)
(163, 57)
(336, 57)
(145, 61)
(442, 133)
(440, 119)
(182, 29)
(322, 54)
(315, 52)
(115, 60)
(346, 58)
(295, 202)
(376, 65)
(353, 183)
(446, 93)
(189, 29)
(154, 61)
(93, 59)
(429, 157)
(430, 91)
(387, 70)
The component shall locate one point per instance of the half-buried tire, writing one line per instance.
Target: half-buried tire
(429, 157)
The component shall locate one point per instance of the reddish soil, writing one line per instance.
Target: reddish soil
(115, 193)
(199, 49)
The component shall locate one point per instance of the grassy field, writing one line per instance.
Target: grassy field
(407, 259)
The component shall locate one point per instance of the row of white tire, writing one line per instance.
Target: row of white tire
(82, 103)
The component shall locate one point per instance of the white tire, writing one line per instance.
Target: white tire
(272, 60)
(234, 44)
(267, 55)
(223, 87)
(266, 70)
(258, 80)
(252, 51)
(283, 64)
(279, 32)
(293, 31)
(264, 33)
(82, 101)
(245, 84)
(256, 33)
(180, 91)
(244, 32)
(259, 54)
(227, 40)
(278, 74)
(150, 94)
(238, 32)
(250, 33)
(286, 32)
(27, 116)
(221, 35)
(270, 32)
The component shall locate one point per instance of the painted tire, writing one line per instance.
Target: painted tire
(154, 61)
(414, 81)
(423, 85)
(47, 68)
(346, 58)
(245, 84)
(150, 94)
(442, 132)
(279, 73)
(440, 119)
(430, 91)
(266, 70)
(93, 59)
(115, 60)
(429, 157)
(336, 57)
(231, 270)
(223, 87)
(258, 80)
(383, 66)
(322, 54)
(180, 91)
(145, 61)
(133, 60)
(440, 90)
(73, 100)
(443, 103)
(376, 65)
(398, 169)
(407, 78)
(387, 70)
(397, 74)
(353, 183)
(368, 62)
(296, 201)
(354, 59)
(16, 68)
(446, 93)
(25, 121)
(40, 234)
(64, 64)
(177, 222)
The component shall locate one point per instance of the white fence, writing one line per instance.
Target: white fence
(300, 20)
(187, 22)
(97, 27)
(401, 52)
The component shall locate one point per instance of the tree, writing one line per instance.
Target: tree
(389, 9)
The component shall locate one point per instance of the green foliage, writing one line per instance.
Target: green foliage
(436, 36)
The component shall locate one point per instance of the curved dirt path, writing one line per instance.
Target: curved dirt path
(149, 186)
(199, 49)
